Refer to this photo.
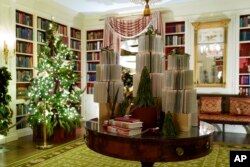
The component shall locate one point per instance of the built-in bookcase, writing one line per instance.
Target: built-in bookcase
(24, 62)
(75, 46)
(93, 52)
(174, 38)
(24, 52)
(42, 26)
(244, 55)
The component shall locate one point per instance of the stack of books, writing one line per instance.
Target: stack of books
(125, 126)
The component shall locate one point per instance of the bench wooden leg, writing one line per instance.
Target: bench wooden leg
(223, 132)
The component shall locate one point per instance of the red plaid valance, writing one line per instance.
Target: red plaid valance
(116, 28)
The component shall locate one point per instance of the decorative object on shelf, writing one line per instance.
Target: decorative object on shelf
(5, 111)
(55, 85)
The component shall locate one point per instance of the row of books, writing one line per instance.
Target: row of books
(154, 62)
(24, 33)
(24, 75)
(93, 56)
(125, 126)
(21, 109)
(90, 89)
(175, 28)
(244, 35)
(244, 91)
(92, 66)
(21, 92)
(24, 61)
(94, 45)
(91, 77)
(76, 55)
(41, 36)
(174, 40)
(77, 66)
(75, 44)
(43, 23)
(245, 80)
(245, 49)
(24, 47)
(94, 35)
(75, 33)
(23, 18)
(245, 21)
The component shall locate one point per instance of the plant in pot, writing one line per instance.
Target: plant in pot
(5, 111)
(144, 106)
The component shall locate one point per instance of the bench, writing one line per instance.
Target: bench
(224, 109)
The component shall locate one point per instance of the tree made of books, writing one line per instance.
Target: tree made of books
(53, 95)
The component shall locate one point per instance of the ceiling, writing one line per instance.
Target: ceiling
(111, 6)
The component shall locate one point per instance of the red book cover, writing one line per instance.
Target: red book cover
(127, 119)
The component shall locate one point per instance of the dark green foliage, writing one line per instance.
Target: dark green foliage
(5, 112)
(168, 128)
(144, 97)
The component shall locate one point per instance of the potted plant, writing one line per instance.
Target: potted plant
(5, 111)
(144, 106)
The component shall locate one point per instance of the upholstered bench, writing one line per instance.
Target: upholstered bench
(224, 109)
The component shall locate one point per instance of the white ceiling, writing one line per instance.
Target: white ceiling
(108, 6)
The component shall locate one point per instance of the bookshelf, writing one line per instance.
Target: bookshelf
(42, 26)
(93, 51)
(244, 55)
(174, 37)
(24, 61)
(24, 52)
(75, 46)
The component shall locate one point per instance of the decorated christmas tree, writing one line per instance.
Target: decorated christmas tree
(54, 94)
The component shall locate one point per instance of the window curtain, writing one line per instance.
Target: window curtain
(116, 28)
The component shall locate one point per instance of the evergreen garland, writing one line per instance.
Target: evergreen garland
(54, 89)
(5, 111)
(144, 97)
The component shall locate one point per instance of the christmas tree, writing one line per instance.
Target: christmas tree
(53, 93)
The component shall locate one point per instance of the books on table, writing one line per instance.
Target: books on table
(124, 131)
(125, 126)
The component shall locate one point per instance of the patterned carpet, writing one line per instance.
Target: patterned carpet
(77, 154)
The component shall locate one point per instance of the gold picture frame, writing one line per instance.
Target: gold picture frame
(210, 53)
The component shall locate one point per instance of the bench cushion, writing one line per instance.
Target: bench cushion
(210, 105)
(239, 106)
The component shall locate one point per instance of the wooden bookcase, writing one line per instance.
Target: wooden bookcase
(174, 37)
(24, 60)
(75, 46)
(94, 44)
(244, 55)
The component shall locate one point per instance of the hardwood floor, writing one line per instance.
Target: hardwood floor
(25, 147)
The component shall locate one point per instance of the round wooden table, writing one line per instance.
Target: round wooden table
(149, 148)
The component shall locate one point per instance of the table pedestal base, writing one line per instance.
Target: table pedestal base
(147, 164)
